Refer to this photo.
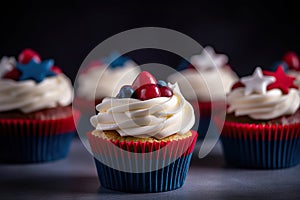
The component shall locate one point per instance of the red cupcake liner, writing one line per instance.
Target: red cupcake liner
(38, 127)
(134, 155)
(261, 145)
(261, 131)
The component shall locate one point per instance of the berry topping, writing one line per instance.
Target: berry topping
(126, 92)
(283, 81)
(27, 55)
(161, 83)
(145, 87)
(292, 59)
(166, 91)
(148, 91)
(144, 78)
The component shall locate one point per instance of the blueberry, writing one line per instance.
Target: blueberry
(278, 63)
(161, 83)
(126, 92)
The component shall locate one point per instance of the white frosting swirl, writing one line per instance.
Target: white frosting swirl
(266, 106)
(102, 81)
(210, 85)
(158, 117)
(29, 96)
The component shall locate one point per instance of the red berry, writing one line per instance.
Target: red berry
(149, 91)
(27, 54)
(166, 91)
(144, 78)
(56, 70)
(292, 59)
(13, 74)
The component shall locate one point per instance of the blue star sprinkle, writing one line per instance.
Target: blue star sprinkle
(115, 60)
(36, 71)
(183, 65)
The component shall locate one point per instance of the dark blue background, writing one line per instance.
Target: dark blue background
(251, 33)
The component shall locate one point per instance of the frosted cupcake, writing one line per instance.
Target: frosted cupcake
(262, 128)
(104, 79)
(150, 121)
(36, 119)
(210, 83)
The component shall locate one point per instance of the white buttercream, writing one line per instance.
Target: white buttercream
(158, 117)
(29, 96)
(102, 81)
(270, 105)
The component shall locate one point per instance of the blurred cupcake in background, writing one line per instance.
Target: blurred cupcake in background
(36, 118)
(205, 79)
(262, 127)
(103, 78)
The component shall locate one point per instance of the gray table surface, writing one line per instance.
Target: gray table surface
(208, 178)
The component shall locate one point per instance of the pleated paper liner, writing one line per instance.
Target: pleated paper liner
(34, 141)
(261, 146)
(154, 166)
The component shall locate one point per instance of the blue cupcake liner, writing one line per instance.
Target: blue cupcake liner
(266, 154)
(168, 178)
(16, 148)
(203, 127)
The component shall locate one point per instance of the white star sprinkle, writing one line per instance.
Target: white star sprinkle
(6, 65)
(208, 59)
(257, 82)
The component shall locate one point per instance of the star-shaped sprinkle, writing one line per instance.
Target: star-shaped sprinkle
(283, 81)
(36, 71)
(257, 82)
(6, 65)
(208, 59)
(184, 64)
(237, 85)
(115, 60)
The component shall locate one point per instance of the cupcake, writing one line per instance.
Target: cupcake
(142, 140)
(205, 80)
(262, 127)
(109, 74)
(36, 119)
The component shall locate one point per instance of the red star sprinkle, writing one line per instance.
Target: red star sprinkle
(283, 82)
(56, 70)
(237, 85)
(13, 74)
